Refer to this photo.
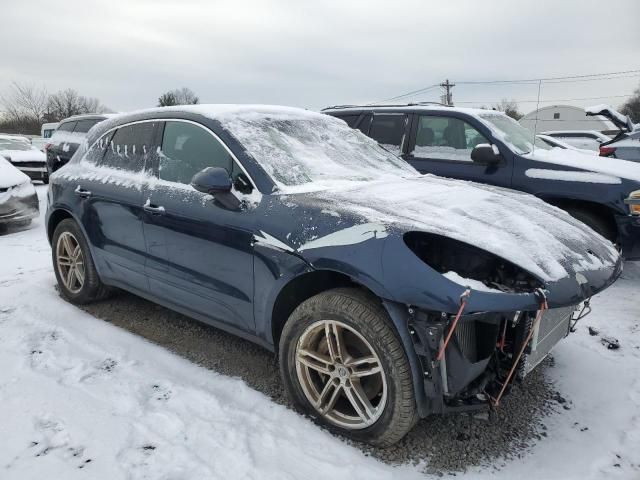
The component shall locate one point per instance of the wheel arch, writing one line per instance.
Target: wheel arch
(602, 211)
(54, 220)
(310, 283)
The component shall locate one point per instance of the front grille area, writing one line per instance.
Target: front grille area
(553, 327)
(466, 337)
(19, 165)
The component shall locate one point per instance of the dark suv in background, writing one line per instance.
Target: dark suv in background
(65, 140)
(489, 147)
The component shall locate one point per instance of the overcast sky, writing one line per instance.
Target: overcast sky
(314, 54)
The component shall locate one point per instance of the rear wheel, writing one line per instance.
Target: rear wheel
(596, 222)
(343, 363)
(74, 268)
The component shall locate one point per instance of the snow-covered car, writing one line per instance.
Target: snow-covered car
(490, 147)
(69, 134)
(24, 156)
(557, 143)
(388, 295)
(18, 198)
(625, 145)
(581, 139)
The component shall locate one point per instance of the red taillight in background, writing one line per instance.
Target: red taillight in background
(607, 151)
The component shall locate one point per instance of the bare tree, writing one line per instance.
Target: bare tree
(509, 107)
(66, 103)
(631, 107)
(179, 96)
(24, 104)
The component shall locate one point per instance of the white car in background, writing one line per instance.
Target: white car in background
(581, 139)
(25, 157)
(557, 143)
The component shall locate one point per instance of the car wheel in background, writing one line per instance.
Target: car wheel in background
(596, 222)
(343, 364)
(73, 266)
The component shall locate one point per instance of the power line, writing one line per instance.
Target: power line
(562, 79)
(549, 79)
(415, 92)
(548, 101)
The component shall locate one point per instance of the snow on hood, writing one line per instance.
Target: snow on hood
(518, 227)
(33, 155)
(605, 165)
(10, 176)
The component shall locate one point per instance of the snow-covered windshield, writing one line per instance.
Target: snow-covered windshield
(511, 132)
(304, 151)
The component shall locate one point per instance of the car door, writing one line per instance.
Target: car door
(199, 248)
(441, 144)
(111, 197)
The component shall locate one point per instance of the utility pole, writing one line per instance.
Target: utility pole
(447, 98)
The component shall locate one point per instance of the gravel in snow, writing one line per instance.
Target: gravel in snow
(82, 398)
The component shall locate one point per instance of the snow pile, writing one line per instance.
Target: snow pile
(516, 226)
(10, 176)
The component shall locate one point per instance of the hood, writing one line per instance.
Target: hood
(613, 167)
(517, 227)
(24, 155)
(10, 176)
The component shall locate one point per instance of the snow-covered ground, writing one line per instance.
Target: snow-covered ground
(81, 398)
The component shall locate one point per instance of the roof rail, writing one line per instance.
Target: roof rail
(371, 105)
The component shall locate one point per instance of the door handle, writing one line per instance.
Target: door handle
(152, 209)
(81, 192)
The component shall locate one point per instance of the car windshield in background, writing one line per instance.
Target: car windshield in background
(6, 144)
(513, 133)
(313, 151)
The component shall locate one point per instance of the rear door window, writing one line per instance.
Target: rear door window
(66, 127)
(350, 119)
(131, 147)
(388, 130)
(83, 126)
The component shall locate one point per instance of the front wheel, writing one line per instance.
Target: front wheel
(343, 364)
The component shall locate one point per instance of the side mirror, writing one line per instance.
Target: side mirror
(486, 154)
(212, 180)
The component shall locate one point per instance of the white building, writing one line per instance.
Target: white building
(565, 117)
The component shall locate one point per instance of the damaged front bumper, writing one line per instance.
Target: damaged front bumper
(18, 204)
(482, 353)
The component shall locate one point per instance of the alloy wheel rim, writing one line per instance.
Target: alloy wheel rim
(341, 375)
(70, 262)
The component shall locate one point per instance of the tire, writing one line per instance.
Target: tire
(363, 325)
(596, 222)
(91, 287)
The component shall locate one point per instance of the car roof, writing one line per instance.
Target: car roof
(410, 108)
(87, 116)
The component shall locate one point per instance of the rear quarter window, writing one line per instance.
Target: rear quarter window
(83, 126)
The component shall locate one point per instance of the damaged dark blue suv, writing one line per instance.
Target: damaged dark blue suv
(388, 295)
